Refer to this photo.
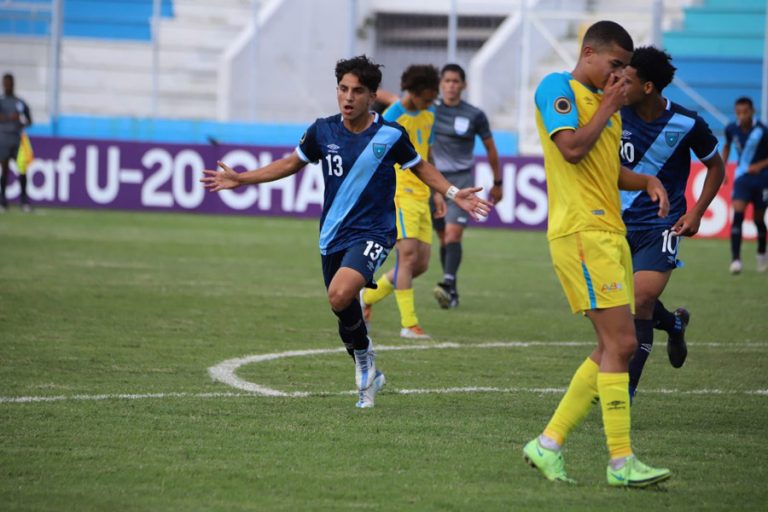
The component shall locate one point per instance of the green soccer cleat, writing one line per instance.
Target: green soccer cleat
(636, 474)
(549, 462)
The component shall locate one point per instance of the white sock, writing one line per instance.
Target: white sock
(618, 463)
(549, 443)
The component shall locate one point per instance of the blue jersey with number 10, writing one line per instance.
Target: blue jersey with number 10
(661, 148)
(359, 176)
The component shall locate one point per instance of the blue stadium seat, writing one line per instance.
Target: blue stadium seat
(103, 19)
(719, 54)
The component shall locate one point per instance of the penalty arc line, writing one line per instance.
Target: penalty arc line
(225, 373)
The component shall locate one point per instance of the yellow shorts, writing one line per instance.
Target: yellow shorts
(595, 270)
(414, 219)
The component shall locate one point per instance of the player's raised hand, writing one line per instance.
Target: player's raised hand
(220, 180)
(687, 225)
(658, 194)
(613, 92)
(468, 201)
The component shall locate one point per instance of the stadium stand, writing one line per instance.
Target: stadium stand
(719, 53)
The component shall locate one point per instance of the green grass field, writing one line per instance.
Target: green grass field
(118, 316)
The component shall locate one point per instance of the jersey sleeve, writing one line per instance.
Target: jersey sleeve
(431, 140)
(703, 142)
(308, 149)
(393, 113)
(26, 113)
(729, 133)
(482, 126)
(404, 153)
(556, 103)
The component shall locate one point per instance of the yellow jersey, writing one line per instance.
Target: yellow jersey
(419, 125)
(582, 196)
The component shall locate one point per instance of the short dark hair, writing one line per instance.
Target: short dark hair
(8, 76)
(454, 68)
(605, 32)
(363, 68)
(653, 65)
(420, 77)
(745, 101)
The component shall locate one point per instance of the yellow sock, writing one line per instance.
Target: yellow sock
(576, 403)
(614, 401)
(407, 309)
(371, 296)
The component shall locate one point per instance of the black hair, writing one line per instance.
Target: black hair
(8, 76)
(363, 68)
(745, 101)
(606, 32)
(455, 68)
(653, 65)
(420, 77)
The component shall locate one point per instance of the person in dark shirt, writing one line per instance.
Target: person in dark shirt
(657, 139)
(14, 117)
(358, 151)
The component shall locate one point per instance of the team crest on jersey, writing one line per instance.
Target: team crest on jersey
(460, 125)
(671, 138)
(379, 150)
(562, 105)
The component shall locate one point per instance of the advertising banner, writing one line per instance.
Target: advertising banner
(89, 173)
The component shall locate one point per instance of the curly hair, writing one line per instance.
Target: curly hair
(363, 68)
(653, 65)
(420, 77)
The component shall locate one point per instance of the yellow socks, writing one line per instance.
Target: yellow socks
(576, 403)
(371, 296)
(407, 309)
(614, 401)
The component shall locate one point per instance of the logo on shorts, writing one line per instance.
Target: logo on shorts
(616, 405)
(562, 105)
(379, 150)
(671, 138)
(611, 287)
(598, 212)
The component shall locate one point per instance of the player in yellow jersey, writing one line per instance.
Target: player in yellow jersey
(580, 130)
(414, 111)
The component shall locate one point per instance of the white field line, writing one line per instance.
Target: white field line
(475, 389)
(225, 372)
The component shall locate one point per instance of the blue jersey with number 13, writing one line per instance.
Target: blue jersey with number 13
(359, 176)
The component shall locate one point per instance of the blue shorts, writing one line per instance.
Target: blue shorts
(752, 188)
(365, 257)
(654, 249)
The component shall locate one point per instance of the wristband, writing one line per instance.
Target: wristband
(497, 183)
(451, 192)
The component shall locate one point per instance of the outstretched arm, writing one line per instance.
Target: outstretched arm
(688, 224)
(630, 180)
(464, 198)
(493, 160)
(228, 178)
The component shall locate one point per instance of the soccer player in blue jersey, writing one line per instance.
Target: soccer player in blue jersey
(657, 139)
(751, 179)
(358, 151)
(580, 130)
